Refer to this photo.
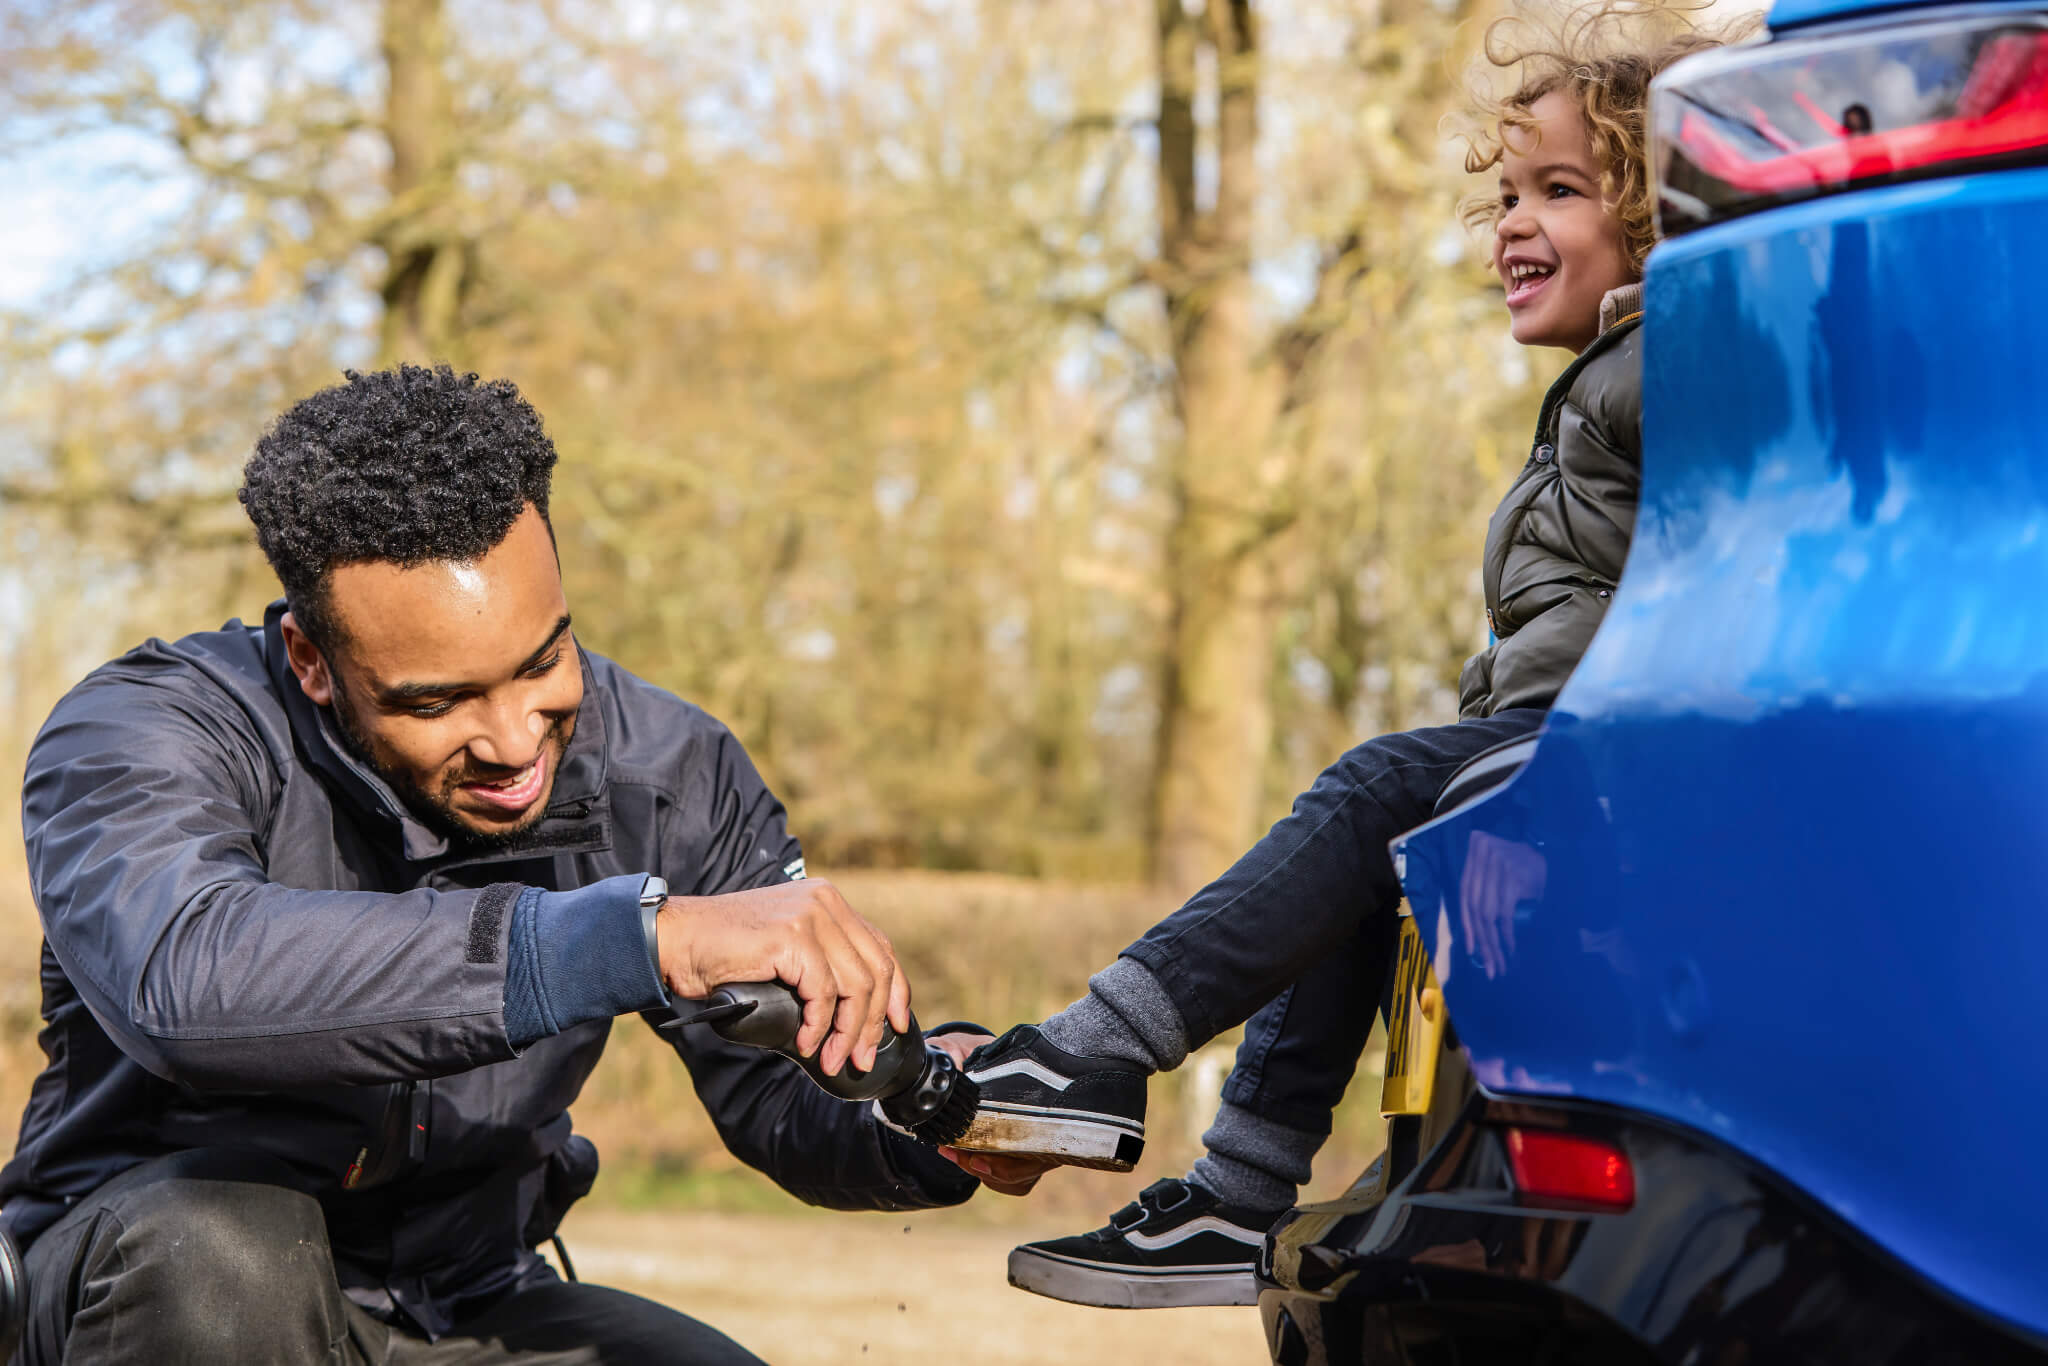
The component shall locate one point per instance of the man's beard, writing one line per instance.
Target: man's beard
(436, 811)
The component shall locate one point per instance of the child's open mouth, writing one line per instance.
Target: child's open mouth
(515, 793)
(1524, 279)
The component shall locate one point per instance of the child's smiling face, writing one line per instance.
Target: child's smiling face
(1557, 248)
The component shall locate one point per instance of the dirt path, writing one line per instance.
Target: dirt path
(813, 1289)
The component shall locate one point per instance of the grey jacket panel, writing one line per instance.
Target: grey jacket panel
(1556, 544)
(251, 943)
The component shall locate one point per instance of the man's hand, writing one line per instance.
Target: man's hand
(1000, 1173)
(804, 934)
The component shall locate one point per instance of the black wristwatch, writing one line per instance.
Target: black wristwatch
(653, 893)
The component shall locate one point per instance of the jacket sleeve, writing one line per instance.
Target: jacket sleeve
(146, 861)
(822, 1150)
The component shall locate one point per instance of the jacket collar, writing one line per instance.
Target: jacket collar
(1621, 312)
(578, 817)
(1622, 305)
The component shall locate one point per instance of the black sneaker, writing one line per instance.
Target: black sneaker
(1041, 1101)
(1174, 1246)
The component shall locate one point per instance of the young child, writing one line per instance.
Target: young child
(1300, 928)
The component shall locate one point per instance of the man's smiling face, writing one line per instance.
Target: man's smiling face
(458, 682)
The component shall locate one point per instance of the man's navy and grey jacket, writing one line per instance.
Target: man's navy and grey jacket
(250, 942)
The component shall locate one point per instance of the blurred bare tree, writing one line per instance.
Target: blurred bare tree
(1047, 432)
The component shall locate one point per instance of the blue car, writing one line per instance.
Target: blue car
(1750, 1064)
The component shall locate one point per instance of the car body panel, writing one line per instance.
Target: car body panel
(1801, 14)
(1790, 805)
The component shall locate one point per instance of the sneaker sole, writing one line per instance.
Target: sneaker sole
(1027, 1131)
(1123, 1287)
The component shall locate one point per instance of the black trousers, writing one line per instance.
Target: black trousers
(1296, 937)
(187, 1260)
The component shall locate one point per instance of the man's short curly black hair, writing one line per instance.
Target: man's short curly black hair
(404, 465)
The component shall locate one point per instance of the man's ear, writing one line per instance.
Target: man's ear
(315, 679)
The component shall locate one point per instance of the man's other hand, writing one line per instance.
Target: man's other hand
(1001, 1173)
(803, 934)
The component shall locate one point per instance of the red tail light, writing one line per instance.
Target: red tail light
(1569, 1169)
(1750, 128)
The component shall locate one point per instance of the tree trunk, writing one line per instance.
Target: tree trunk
(426, 262)
(1215, 717)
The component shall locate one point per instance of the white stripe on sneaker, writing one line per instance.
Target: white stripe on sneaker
(1126, 1269)
(1023, 1067)
(1096, 1117)
(1208, 1223)
(1079, 1282)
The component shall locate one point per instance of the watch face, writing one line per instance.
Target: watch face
(653, 892)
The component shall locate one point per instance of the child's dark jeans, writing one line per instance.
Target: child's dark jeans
(1300, 928)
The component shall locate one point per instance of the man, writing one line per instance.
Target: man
(339, 909)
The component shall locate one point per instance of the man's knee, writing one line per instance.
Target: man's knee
(212, 1250)
(217, 1214)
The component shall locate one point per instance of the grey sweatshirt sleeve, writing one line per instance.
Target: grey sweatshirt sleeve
(147, 867)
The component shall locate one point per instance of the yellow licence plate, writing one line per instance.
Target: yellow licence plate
(1415, 1029)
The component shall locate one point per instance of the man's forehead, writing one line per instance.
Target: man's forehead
(438, 615)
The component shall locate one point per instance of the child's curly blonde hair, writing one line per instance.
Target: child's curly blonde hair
(1603, 57)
